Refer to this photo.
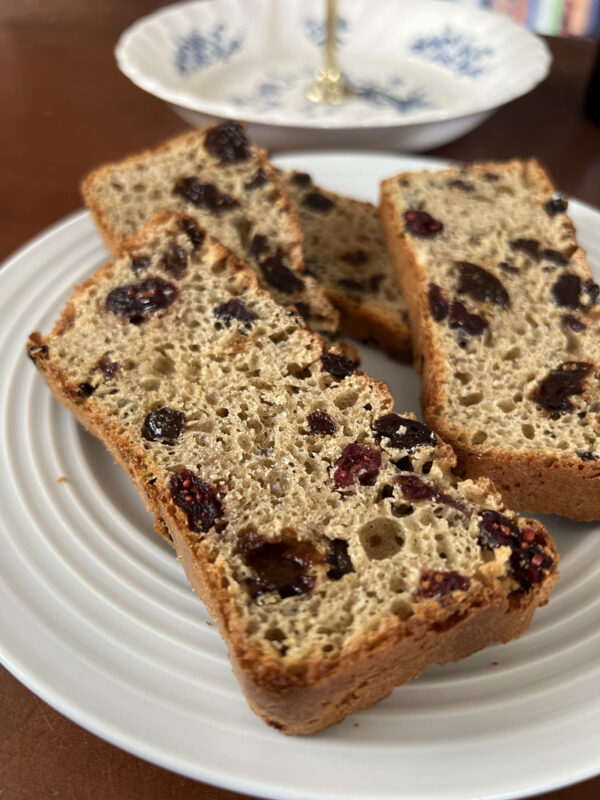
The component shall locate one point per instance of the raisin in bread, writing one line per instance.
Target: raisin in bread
(506, 328)
(216, 176)
(325, 533)
(345, 251)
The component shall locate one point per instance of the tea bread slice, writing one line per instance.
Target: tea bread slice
(325, 533)
(506, 327)
(217, 177)
(345, 251)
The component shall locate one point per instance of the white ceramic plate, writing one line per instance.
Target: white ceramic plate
(97, 618)
(425, 72)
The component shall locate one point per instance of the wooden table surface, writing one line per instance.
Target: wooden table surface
(65, 109)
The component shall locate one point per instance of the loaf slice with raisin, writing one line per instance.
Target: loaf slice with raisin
(344, 250)
(506, 327)
(325, 533)
(217, 177)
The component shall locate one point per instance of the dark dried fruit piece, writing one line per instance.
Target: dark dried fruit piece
(586, 455)
(574, 324)
(464, 186)
(197, 499)
(259, 179)
(108, 368)
(527, 566)
(228, 143)
(258, 245)
(554, 256)
(496, 530)
(531, 247)
(163, 425)
(504, 265)
(174, 260)
(137, 300)
(566, 291)
(355, 258)
(558, 205)
(338, 559)
(140, 264)
(553, 393)
(86, 389)
(463, 320)
(413, 434)
(420, 223)
(204, 195)
(413, 488)
(301, 179)
(235, 309)
(317, 202)
(357, 461)
(435, 583)
(280, 565)
(481, 285)
(337, 365)
(319, 422)
(194, 234)
(438, 305)
(278, 275)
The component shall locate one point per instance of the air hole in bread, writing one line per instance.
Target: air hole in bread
(381, 538)
(346, 400)
(471, 399)
(478, 437)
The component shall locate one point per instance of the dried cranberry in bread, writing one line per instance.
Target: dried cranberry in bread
(504, 314)
(345, 252)
(217, 177)
(325, 533)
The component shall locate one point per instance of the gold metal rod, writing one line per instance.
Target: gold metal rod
(329, 86)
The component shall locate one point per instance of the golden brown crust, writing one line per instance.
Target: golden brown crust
(324, 691)
(536, 481)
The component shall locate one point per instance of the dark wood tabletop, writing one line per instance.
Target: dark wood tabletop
(65, 109)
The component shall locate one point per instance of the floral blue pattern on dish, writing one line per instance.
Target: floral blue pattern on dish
(269, 92)
(314, 30)
(196, 50)
(455, 50)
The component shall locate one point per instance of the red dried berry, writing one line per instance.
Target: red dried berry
(108, 368)
(358, 461)
(317, 202)
(413, 488)
(319, 422)
(437, 583)
(197, 499)
(174, 260)
(137, 301)
(413, 433)
(204, 195)
(553, 393)
(422, 224)
(338, 559)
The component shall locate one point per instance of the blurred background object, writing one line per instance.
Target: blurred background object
(552, 17)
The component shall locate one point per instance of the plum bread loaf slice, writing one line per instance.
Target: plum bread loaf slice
(324, 532)
(217, 177)
(506, 326)
(345, 251)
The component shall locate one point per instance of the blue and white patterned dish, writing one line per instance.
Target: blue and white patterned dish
(424, 73)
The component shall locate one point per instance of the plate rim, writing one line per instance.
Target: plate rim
(186, 100)
(106, 731)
